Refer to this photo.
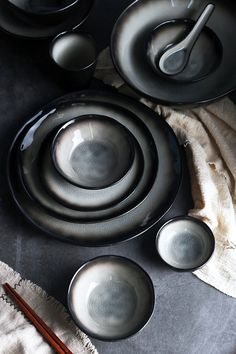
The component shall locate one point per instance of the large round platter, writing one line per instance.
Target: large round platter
(30, 152)
(161, 196)
(14, 25)
(133, 31)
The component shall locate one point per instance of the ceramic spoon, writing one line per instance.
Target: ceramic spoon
(175, 59)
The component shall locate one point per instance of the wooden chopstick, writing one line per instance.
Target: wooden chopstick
(41, 326)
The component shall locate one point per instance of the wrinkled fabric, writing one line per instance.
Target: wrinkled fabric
(208, 134)
(19, 336)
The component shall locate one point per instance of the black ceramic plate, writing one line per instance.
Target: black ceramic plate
(30, 167)
(93, 152)
(134, 222)
(132, 32)
(13, 25)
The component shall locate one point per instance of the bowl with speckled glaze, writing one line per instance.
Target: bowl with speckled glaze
(185, 243)
(93, 152)
(42, 10)
(111, 298)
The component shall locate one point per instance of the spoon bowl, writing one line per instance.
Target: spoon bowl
(174, 59)
(204, 58)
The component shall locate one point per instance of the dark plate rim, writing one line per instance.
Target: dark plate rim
(46, 13)
(125, 260)
(44, 37)
(118, 239)
(133, 205)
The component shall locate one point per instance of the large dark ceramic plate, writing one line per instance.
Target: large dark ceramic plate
(30, 168)
(122, 227)
(12, 24)
(129, 47)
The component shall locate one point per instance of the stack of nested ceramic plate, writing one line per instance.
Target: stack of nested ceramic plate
(42, 18)
(177, 51)
(94, 168)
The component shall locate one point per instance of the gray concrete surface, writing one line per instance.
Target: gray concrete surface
(190, 317)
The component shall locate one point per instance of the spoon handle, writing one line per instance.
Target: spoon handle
(195, 32)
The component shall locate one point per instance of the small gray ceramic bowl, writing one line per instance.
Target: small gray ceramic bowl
(74, 57)
(185, 243)
(93, 151)
(111, 298)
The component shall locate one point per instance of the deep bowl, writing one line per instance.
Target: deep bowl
(78, 198)
(131, 35)
(93, 152)
(42, 10)
(111, 298)
(185, 243)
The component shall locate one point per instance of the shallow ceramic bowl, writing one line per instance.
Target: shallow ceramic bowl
(185, 243)
(93, 152)
(85, 199)
(111, 298)
(43, 10)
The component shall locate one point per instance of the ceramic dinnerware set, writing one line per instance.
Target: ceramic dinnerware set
(95, 167)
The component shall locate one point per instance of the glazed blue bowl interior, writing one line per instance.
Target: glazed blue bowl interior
(185, 243)
(111, 298)
(42, 7)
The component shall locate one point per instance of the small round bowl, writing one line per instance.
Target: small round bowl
(111, 298)
(42, 10)
(93, 151)
(185, 243)
(74, 57)
(84, 199)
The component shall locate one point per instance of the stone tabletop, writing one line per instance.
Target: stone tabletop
(190, 317)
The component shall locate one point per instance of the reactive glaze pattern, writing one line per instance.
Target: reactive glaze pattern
(93, 152)
(111, 298)
(29, 167)
(84, 199)
(204, 57)
(73, 51)
(14, 25)
(137, 219)
(185, 243)
(132, 32)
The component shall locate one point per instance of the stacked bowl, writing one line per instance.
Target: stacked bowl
(95, 168)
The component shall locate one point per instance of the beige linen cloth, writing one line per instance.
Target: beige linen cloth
(209, 137)
(18, 336)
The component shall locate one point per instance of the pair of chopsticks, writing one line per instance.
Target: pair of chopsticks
(41, 326)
